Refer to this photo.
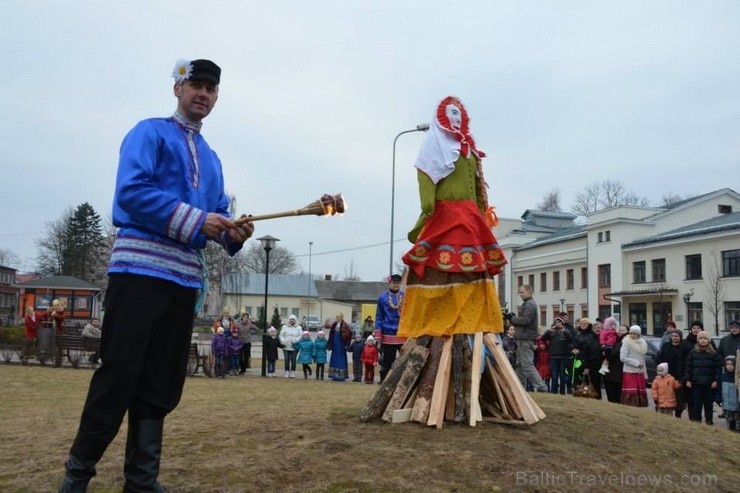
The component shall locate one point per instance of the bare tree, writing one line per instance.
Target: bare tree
(9, 258)
(282, 261)
(670, 199)
(605, 194)
(53, 247)
(350, 272)
(550, 202)
(715, 289)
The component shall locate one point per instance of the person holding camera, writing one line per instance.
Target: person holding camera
(559, 349)
(526, 335)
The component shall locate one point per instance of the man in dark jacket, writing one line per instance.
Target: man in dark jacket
(559, 350)
(526, 335)
(730, 343)
(588, 350)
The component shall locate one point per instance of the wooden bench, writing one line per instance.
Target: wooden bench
(75, 347)
(196, 361)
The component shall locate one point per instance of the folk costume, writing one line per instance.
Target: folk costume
(450, 288)
(168, 181)
(387, 317)
(340, 337)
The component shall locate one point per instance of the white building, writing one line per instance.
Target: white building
(643, 265)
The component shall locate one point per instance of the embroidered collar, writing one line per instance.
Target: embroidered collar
(195, 127)
(399, 300)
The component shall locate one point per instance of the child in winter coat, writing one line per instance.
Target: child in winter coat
(664, 390)
(235, 347)
(542, 361)
(219, 349)
(271, 350)
(305, 348)
(730, 403)
(356, 347)
(702, 375)
(320, 346)
(607, 340)
(370, 359)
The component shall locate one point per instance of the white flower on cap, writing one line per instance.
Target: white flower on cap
(182, 71)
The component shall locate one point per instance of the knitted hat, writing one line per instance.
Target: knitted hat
(662, 369)
(370, 340)
(557, 319)
(220, 330)
(306, 334)
(321, 334)
(732, 324)
(670, 323)
(698, 323)
(637, 329)
(272, 330)
(292, 317)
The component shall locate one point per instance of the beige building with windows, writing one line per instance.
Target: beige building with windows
(642, 265)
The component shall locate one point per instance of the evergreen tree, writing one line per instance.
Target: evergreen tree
(84, 243)
(276, 322)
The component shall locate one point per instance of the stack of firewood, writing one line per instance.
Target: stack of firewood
(433, 381)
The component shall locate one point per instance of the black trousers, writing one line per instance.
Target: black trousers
(144, 347)
(390, 351)
(245, 356)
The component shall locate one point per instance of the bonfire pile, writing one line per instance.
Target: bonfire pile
(433, 381)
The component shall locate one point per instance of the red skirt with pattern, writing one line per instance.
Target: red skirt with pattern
(456, 238)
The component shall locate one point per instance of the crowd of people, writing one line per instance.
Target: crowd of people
(692, 372)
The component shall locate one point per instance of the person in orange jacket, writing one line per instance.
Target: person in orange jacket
(664, 390)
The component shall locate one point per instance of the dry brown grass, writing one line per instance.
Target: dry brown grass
(253, 434)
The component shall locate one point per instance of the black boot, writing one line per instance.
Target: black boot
(143, 451)
(77, 475)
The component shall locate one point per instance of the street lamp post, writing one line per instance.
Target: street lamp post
(686, 300)
(422, 127)
(268, 243)
(308, 298)
(562, 304)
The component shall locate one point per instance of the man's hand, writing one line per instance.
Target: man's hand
(509, 315)
(215, 224)
(240, 234)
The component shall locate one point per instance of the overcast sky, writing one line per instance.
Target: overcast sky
(560, 94)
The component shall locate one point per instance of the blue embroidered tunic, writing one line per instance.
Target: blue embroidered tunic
(168, 180)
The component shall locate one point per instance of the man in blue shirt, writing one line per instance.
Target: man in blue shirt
(169, 201)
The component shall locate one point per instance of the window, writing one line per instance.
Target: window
(693, 266)
(531, 281)
(543, 281)
(584, 277)
(600, 237)
(605, 311)
(556, 280)
(638, 272)
(732, 312)
(658, 270)
(584, 311)
(607, 235)
(731, 263)
(724, 209)
(569, 279)
(696, 312)
(543, 314)
(605, 276)
(519, 281)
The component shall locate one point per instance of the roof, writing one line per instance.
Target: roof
(351, 290)
(725, 222)
(529, 213)
(298, 285)
(643, 291)
(59, 282)
(278, 284)
(562, 235)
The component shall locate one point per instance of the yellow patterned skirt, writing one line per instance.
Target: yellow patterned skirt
(446, 303)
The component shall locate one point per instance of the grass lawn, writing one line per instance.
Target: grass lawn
(249, 433)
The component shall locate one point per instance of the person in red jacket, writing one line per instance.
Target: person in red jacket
(31, 322)
(542, 361)
(370, 359)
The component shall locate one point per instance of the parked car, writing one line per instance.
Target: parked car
(313, 322)
(651, 358)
